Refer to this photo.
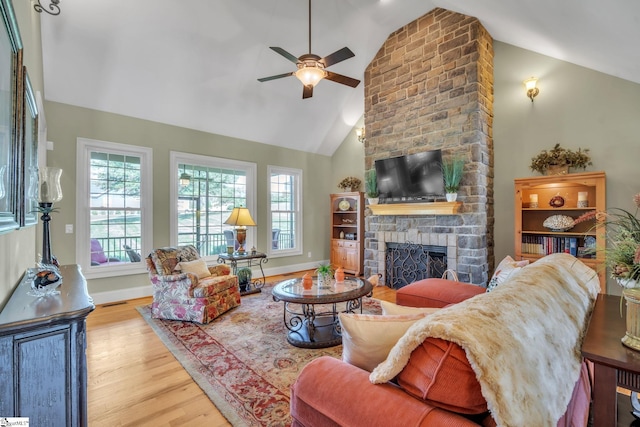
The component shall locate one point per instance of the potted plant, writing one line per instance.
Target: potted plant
(452, 171)
(558, 160)
(244, 277)
(371, 186)
(350, 183)
(324, 272)
(622, 257)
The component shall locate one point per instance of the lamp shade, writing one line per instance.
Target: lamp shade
(240, 217)
(310, 75)
(49, 185)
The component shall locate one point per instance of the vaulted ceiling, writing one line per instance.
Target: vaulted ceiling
(195, 63)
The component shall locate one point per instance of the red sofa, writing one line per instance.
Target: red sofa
(329, 392)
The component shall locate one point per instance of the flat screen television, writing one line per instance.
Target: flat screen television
(411, 178)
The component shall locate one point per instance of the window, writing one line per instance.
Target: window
(113, 208)
(204, 191)
(285, 216)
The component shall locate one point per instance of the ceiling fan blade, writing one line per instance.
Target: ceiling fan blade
(339, 78)
(279, 76)
(307, 92)
(337, 56)
(284, 53)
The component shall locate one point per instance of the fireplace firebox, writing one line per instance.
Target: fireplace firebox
(408, 262)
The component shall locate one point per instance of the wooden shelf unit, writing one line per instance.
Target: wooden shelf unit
(530, 234)
(347, 249)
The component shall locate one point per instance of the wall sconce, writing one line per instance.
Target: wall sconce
(532, 90)
(54, 9)
(360, 134)
(184, 179)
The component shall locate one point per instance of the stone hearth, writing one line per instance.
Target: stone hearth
(431, 87)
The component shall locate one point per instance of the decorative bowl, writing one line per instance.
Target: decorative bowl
(559, 223)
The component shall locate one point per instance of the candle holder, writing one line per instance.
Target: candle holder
(50, 193)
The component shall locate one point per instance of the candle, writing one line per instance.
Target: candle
(582, 199)
(533, 198)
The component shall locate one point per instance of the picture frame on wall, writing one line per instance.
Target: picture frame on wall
(29, 206)
(11, 95)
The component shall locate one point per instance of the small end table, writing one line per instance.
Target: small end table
(249, 260)
(614, 364)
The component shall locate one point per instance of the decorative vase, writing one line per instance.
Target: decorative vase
(324, 281)
(451, 197)
(307, 281)
(631, 338)
(339, 274)
(373, 200)
(557, 170)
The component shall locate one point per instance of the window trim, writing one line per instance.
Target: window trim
(83, 242)
(298, 248)
(176, 157)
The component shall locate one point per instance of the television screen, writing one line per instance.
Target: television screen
(412, 178)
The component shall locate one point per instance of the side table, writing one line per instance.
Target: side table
(614, 364)
(249, 260)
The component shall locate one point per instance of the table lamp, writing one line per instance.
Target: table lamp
(50, 193)
(240, 218)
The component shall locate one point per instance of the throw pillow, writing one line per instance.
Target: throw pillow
(368, 338)
(505, 269)
(439, 373)
(389, 308)
(197, 267)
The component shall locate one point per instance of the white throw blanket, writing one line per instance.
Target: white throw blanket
(522, 340)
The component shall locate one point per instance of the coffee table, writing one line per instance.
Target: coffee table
(311, 316)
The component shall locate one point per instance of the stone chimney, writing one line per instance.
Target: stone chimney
(430, 86)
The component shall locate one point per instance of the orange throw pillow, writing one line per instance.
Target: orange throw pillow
(439, 373)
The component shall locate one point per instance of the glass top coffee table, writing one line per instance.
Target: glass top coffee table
(311, 316)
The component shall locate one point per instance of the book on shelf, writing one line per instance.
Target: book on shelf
(546, 245)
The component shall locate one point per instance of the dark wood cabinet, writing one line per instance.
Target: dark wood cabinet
(43, 371)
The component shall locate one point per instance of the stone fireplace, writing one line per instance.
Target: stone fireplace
(430, 86)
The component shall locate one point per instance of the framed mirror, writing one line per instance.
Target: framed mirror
(29, 206)
(10, 117)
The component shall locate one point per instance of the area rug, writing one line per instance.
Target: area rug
(242, 360)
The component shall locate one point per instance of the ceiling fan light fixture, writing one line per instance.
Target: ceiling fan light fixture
(310, 74)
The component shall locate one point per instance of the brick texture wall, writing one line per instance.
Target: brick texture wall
(430, 86)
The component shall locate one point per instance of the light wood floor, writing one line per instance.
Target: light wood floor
(133, 380)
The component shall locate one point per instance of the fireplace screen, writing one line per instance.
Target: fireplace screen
(408, 262)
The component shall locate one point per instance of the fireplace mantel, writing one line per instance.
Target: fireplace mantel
(434, 208)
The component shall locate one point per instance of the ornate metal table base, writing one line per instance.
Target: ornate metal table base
(311, 329)
(249, 260)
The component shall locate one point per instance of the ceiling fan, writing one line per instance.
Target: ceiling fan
(312, 68)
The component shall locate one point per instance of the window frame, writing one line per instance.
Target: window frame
(83, 179)
(298, 247)
(250, 168)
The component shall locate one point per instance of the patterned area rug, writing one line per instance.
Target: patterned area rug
(242, 360)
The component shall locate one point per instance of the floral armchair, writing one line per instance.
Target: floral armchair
(184, 288)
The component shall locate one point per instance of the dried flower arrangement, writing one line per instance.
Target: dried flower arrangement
(350, 183)
(560, 156)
